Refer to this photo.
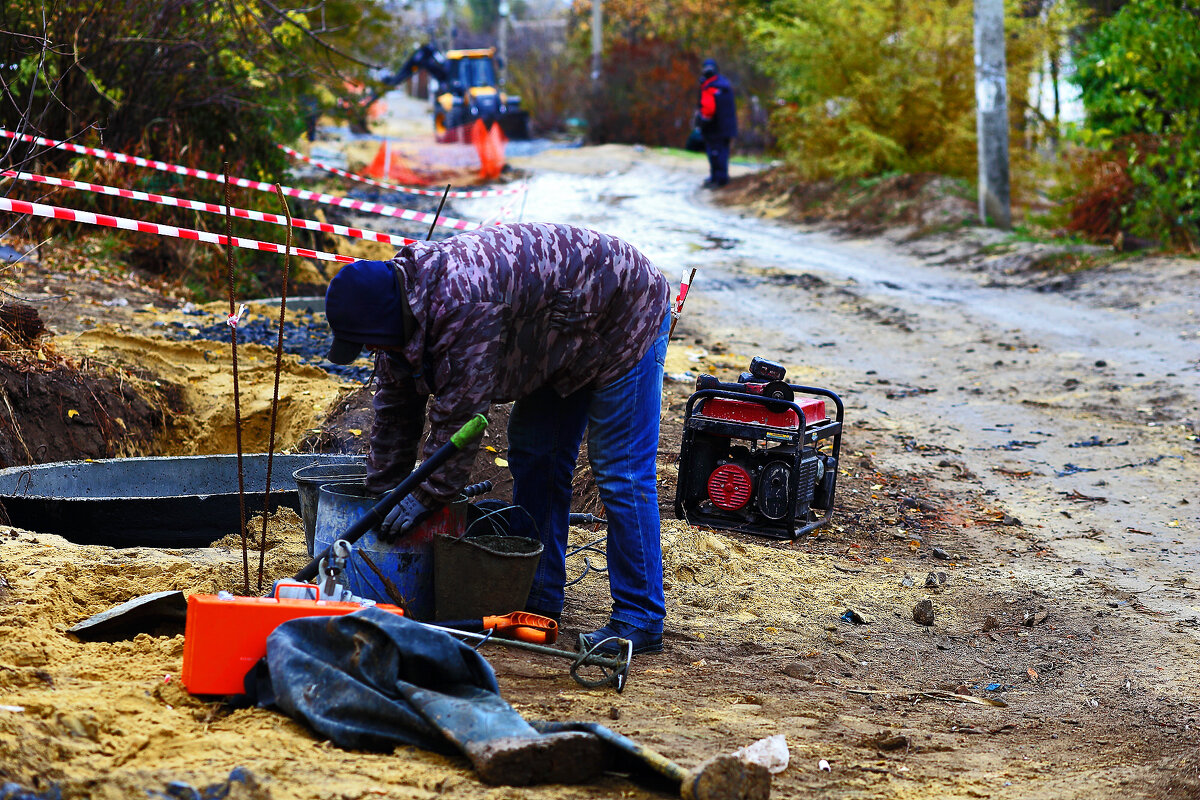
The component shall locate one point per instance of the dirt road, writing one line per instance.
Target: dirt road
(1075, 409)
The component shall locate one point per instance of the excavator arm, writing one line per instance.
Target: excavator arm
(426, 57)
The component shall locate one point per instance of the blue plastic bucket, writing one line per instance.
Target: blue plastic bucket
(403, 569)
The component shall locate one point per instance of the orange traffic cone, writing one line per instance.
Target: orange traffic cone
(389, 165)
(490, 144)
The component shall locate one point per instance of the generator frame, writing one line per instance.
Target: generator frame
(696, 424)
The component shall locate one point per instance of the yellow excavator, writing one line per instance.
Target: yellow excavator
(466, 90)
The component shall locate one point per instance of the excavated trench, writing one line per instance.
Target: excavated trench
(151, 420)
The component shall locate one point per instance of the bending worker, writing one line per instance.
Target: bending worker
(568, 323)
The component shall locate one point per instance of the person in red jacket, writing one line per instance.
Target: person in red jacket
(570, 324)
(716, 116)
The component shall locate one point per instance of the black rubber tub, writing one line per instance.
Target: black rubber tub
(172, 501)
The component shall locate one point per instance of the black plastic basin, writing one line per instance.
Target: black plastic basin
(169, 501)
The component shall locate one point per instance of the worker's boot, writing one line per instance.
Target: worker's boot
(605, 639)
(503, 747)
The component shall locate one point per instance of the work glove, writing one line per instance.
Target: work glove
(403, 517)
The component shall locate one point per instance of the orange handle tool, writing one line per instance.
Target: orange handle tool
(519, 625)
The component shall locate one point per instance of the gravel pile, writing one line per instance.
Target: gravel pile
(305, 335)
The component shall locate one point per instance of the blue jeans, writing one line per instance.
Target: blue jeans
(544, 432)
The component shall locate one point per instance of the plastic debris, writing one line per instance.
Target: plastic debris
(855, 617)
(771, 752)
(15, 791)
(247, 786)
(823, 765)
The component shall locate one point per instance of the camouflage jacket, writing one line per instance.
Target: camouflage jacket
(501, 312)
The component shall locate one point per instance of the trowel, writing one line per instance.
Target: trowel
(167, 611)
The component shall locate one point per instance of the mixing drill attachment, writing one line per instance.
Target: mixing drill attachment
(330, 576)
(613, 669)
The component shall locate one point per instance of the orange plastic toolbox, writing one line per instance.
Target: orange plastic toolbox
(226, 635)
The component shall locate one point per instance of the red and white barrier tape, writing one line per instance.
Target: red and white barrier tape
(87, 217)
(685, 283)
(262, 186)
(505, 212)
(197, 205)
(233, 320)
(471, 193)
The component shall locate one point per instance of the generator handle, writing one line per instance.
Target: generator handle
(772, 403)
(837, 401)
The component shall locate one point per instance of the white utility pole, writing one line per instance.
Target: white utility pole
(597, 37)
(991, 117)
(502, 40)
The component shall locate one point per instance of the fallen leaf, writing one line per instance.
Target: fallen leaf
(355, 432)
(71, 414)
(500, 462)
(490, 449)
(1032, 673)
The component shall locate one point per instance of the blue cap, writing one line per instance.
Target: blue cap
(709, 67)
(365, 304)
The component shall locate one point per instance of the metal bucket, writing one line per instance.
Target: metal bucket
(403, 570)
(477, 576)
(309, 479)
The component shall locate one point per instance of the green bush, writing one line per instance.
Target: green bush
(1139, 74)
(870, 86)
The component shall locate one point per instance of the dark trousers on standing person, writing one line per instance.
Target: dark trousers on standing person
(717, 148)
(544, 433)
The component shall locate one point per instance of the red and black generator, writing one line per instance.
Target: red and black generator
(760, 455)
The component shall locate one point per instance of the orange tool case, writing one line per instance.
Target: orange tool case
(226, 635)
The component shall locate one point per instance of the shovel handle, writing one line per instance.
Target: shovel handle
(464, 436)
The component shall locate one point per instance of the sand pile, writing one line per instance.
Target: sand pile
(111, 720)
(201, 375)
